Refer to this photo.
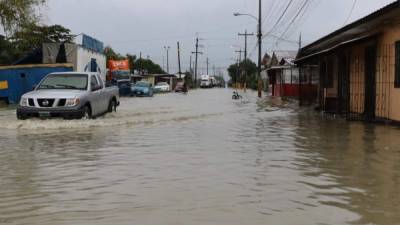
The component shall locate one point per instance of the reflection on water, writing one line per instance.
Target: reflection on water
(199, 159)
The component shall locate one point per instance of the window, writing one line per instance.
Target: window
(397, 65)
(93, 82)
(65, 81)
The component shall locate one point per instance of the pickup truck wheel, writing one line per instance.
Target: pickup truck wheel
(87, 113)
(21, 117)
(113, 106)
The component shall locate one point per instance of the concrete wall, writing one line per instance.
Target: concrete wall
(84, 58)
(386, 73)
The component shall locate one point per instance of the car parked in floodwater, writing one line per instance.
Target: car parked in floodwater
(162, 87)
(142, 89)
(69, 95)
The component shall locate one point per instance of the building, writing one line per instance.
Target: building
(283, 74)
(20, 79)
(154, 79)
(23, 75)
(358, 67)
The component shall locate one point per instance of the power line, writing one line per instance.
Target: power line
(281, 17)
(351, 12)
(294, 18)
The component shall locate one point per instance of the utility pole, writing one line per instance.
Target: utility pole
(245, 54)
(190, 64)
(208, 63)
(141, 64)
(260, 84)
(240, 61)
(179, 61)
(245, 42)
(214, 69)
(300, 42)
(163, 62)
(196, 60)
(167, 49)
(240, 54)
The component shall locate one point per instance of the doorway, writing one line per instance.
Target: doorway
(370, 82)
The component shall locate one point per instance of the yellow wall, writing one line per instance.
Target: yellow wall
(387, 96)
(387, 104)
(357, 76)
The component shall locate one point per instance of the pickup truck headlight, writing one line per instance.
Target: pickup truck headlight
(72, 102)
(23, 102)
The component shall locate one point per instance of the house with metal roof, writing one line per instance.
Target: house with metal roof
(358, 67)
(283, 74)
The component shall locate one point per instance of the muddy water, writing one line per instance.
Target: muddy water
(199, 159)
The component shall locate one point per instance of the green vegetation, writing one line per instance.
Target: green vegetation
(30, 37)
(14, 14)
(148, 66)
(237, 73)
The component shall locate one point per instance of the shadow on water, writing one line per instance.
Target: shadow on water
(352, 165)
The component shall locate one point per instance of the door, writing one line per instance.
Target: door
(95, 96)
(370, 82)
(104, 97)
(344, 83)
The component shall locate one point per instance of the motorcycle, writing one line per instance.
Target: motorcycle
(236, 96)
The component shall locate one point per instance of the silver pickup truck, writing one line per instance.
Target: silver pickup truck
(70, 96)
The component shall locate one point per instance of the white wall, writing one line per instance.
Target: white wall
(84, 58)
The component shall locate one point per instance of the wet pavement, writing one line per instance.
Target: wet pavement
(201, 159)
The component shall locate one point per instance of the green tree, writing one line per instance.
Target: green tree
(32, 36)
(148, 66)
(6, 51)
(15, 13)
(131, 59)
(112, 55)
(237, 73)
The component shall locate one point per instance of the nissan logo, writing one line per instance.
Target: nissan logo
(45, 103)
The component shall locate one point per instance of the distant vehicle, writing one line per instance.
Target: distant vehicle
(118, 70)
(206, 81)
(143, 89)
(181, 87)
(162, 87)
(124, 86)
(69, 95)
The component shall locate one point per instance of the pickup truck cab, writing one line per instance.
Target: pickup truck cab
(70, 95)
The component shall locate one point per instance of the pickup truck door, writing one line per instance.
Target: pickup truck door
(104, 95)
(95, 96)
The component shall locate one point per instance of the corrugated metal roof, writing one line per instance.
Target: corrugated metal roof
(351, 30)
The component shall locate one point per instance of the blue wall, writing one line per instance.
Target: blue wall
(22, 79)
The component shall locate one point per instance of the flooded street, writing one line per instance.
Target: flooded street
(199, 159)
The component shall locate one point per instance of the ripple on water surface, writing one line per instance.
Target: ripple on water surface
(198, 159)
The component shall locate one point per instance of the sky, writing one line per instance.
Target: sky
(146, 26)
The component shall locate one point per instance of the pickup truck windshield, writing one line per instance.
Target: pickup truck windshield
(65, 81)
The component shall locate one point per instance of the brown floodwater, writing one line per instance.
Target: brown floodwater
(199, 159)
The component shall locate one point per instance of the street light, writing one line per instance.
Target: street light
(259, 36)
(167, 49)
(245, 14)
